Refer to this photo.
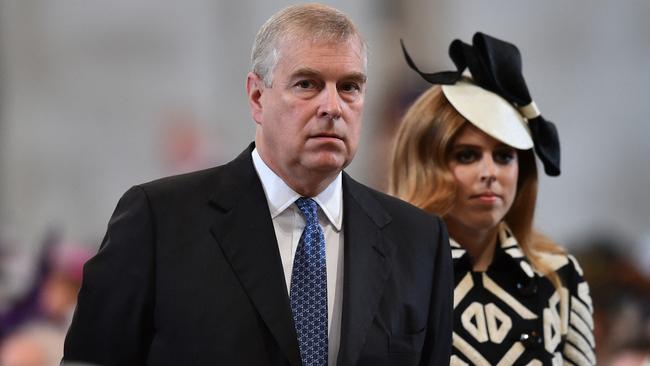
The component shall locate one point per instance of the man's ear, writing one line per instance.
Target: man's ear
(254, 89)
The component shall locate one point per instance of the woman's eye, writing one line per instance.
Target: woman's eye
(505, 156)
(466, 156)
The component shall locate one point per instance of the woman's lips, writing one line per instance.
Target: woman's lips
(486, 197)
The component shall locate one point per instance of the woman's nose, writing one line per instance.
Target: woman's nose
(488, 168)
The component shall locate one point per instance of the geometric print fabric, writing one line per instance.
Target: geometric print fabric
(308, 294)
(512, 315)
(484, 333)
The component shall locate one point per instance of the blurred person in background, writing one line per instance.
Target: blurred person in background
(620, 288)
(465, 151)
(36, 344)
(25, 303)
(51, 295)
(58, 295)
(631, 356)
(183, 143)
(278, 257)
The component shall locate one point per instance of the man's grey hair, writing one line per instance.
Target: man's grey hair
(308, 21)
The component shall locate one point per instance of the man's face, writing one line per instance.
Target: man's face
(309, 120)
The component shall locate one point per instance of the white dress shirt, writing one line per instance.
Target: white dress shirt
(289, 223)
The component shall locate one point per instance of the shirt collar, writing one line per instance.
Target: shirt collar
(280, 196)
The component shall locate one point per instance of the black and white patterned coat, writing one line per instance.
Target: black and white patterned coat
(512, 315)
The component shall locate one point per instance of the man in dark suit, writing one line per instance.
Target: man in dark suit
(278, 257)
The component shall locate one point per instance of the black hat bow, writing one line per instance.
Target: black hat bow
(495, 65)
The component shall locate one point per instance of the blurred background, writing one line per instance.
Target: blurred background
(98, 96)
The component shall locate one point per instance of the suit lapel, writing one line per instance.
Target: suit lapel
(366, 266)
(245, 233)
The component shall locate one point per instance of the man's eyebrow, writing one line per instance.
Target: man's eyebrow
(309, 72)
(357, 76)
(305, 71)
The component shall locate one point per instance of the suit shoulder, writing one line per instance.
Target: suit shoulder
(398, 205)
(207, 181)
(398, 209)
(181, 181)
(183, 189)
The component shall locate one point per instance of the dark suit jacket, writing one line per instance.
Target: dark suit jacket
(189, 273)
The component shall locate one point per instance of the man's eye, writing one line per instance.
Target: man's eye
(466, 156)
(505, 156)
(306, 84)
(350, 87)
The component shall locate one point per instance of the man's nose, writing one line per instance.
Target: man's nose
(330, 107)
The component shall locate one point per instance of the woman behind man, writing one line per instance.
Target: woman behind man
(464, 151)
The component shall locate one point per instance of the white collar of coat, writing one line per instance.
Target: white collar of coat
(508, 244)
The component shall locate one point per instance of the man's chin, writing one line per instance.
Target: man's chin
(326, 163)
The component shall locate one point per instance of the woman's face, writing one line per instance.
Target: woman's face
(486, 172)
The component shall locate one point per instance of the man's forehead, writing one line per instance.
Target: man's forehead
(305, 56)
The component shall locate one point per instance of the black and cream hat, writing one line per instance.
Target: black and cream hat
(494, 96)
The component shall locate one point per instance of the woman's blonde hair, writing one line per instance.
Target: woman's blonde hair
(420, 173)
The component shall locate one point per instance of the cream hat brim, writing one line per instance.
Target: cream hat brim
(489, 112)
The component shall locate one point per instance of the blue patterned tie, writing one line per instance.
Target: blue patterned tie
(309, 288)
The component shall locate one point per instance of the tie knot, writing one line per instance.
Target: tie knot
(309, 209)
